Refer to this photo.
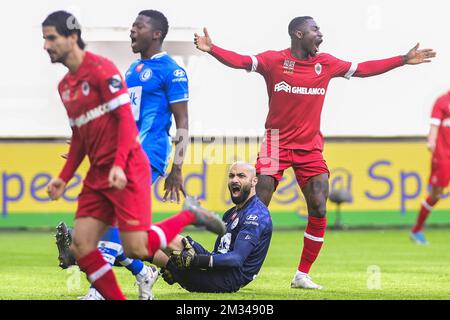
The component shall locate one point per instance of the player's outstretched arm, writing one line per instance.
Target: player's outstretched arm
(229, 58)
(376, 67)
(418, 56)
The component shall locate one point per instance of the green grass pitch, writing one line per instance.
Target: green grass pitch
(29, 269)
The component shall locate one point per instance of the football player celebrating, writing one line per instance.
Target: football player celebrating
(297, 80)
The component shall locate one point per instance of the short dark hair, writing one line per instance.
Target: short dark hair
(296, 23)
(65, 24)
(159, 21)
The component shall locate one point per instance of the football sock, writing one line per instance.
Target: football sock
(425, 209)
(162, 233)
(134, 265)
(111, 248)
(312, 242)
(100, 275)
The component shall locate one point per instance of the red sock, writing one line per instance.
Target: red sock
(425, 210)
(312, 242)
(162, 233)
(100, 275)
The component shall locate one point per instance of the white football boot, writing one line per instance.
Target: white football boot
(304, 281)
(146, 282)
(93, 294)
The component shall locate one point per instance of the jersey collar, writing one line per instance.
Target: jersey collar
(156, 56)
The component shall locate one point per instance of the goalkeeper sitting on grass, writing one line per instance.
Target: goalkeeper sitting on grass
(237, 256)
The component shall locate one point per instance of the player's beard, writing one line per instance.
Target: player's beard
(55, 58)
(245, 191)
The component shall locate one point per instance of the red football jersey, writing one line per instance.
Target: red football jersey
(98, 105)
(297, 90)
(440, 116)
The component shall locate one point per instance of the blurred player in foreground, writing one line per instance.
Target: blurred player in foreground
(158, 89)
(297, 79)
(439, 145)
(237, 256)
(116, 188)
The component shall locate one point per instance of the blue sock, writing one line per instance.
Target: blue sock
(134, 265)
(111, 249)
(110, 245)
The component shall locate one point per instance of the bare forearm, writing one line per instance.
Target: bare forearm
(181, 144)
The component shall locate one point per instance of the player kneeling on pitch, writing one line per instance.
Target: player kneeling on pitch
(237, 256)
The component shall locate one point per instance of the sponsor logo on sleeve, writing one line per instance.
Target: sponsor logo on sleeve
(252, 219)
(180, 76)
(115, 83)
(179, 73)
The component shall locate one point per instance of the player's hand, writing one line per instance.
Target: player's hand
(189, 259)
(55, 188)
(173, 185)
(167, 276)
(431, 145)
(416, 56)
(184, 259)
(204, 42)
(117, 178)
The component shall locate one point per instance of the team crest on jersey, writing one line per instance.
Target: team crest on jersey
(235, 223)
(318, 68)
(146, 74)
(85, 88)
(288, 66)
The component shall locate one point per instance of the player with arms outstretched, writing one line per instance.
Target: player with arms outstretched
(297, 79)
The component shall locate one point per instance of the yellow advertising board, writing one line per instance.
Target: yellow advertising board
(381, 176)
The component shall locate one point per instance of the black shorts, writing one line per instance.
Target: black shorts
(211, 280)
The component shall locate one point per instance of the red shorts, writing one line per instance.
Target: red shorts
(306, 164)
(130, 208)
(440, 174)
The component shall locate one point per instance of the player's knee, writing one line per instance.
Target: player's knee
(135, 252)
(79, 248)
(317, 207)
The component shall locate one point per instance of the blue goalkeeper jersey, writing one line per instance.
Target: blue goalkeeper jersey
(154, 84)
(247, 239)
